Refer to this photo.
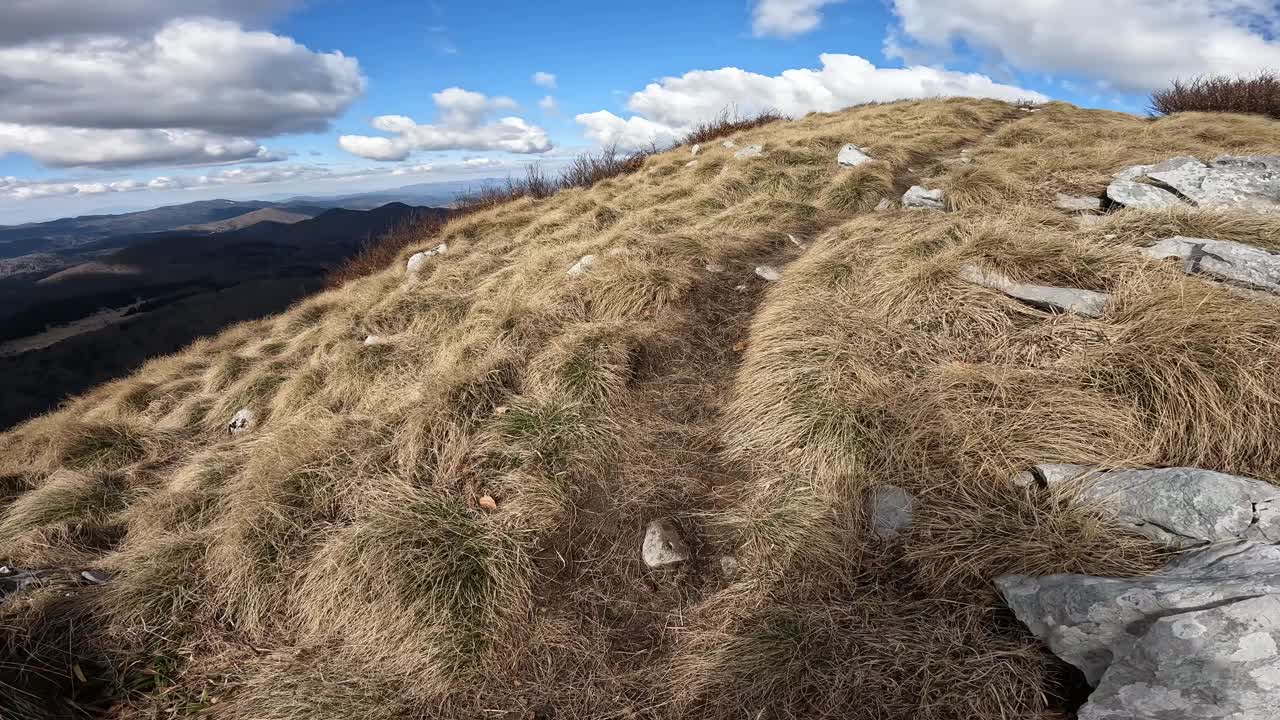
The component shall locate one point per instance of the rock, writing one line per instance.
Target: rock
(795, 241)
(715, 268)
(244, 421)
(1105, 625)
(582, 266)
(96, 577)
(883, 205)
(13, 580)
(486, 502)
(1250, 183)
(1247, 265)
(663, 545)
(1216, 663)
(373, 340)
(419, 260)
(1080, 302)
(852, 156)
(889, 510)
(918, 198)
(749, 151)
(691, 163)
(729, 144)
(1076, 203)
(695, 149)
(728, 566)
(768, 272)
(1133, 194)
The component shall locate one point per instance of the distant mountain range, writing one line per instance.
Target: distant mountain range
(96, 296)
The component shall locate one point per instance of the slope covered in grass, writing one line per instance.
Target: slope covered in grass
(336, 562)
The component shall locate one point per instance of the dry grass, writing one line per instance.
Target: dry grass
(1257, 94)
(729, 122)
(337, 562)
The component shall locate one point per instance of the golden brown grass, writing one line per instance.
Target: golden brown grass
(337, 561)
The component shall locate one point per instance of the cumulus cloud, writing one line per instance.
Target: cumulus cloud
(549, 105)
(1129, 46)
(464, 125)
(82, 147)
(544, 79)
(787, 18)
(667, 109)
(27, 20)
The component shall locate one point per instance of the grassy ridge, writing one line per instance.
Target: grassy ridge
(336, 562)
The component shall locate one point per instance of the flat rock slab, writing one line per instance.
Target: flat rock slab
(663, 545)
(749, 151)
(1077, 203)
(1246, 265)
(918, 198)
(851, 156)
(1149, 631)
(889, 507)
(1210, 664)
(1080, 302)
(1133, 194)
(1250, 183)
(1180, 507)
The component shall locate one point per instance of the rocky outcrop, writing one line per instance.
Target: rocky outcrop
(1180, 507)
(918, 198)
(1244, 265)
(1249, 183)
(852, 156)
(1081, 302)
(663, 545)
(1196, 641)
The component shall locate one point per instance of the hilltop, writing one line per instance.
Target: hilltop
(433, 498)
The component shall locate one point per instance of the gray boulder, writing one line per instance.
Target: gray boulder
(918, 198)
(1179, 507)
(1132, 194)
(1076, 203)
(1246, 265)
(1148, 630)
(851, 156)
(1081, 302)
(889, 507)
(1250, 183)
(663, 545)
(749, 151)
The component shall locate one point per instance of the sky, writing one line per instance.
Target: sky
(129, 104)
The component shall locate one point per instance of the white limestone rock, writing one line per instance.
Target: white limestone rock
(1245, 265)
(374, 340)
(852, 156)
(1133, 194)
(582, 266)
(889, 508)
(1080, 302)
(1077, 203)
(729, 144)
(695, 149)
(768, 272)
(750, 151)
(418, 261)
(715, 268)
(243, 422)
(918, 198)
(663, 545)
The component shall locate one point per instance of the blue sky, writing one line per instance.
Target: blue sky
(153, 102)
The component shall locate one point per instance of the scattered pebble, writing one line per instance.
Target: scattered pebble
(487, 503)
(768, 272)
(663, 545)
(244, 421)
(582, 266)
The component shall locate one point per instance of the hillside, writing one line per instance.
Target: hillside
(436, 504)
(284, 216)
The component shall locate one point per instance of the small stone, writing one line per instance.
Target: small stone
(582, 266)
(768, 272)
(487, 503)
(419, 260)
(1077, 203)
(1080, 302)
(884, 205)
(729, 144)
(244, 421)
(501, 410)
(663, 545)
(373, 340)
(728, 566)
(918, 198)
(890, 510)
(750, 151)
(795, 242)
(97, 577)
(741, 288)
(695, 149)
(715, 268)
(851, 156)
(691, 163)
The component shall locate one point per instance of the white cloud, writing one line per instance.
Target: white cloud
(27, 20)
(787, 18)
(544, 79)
(549, 105)
(667, 109)
(464, 125)
(79, 147)
(1132, 46)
